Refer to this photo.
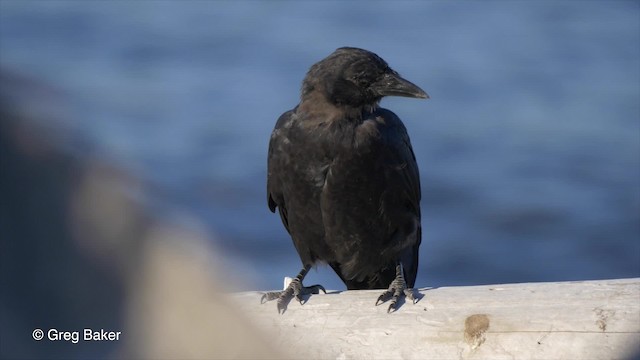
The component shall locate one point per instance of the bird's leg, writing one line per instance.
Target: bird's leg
(295, 289)
(396, 289)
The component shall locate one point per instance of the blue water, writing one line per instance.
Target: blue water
(529, 148)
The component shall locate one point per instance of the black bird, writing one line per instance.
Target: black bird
(344, 178)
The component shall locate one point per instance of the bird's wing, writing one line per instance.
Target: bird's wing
(400, 156)
(410, 173)
(406, 172)
(276, 162)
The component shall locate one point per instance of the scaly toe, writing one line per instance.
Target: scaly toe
(408, 293)
(392, 307)
(268, 296)
(384, 297)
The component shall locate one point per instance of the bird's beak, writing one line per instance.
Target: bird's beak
(393, 84)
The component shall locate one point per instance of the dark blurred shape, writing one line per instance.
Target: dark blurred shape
(78, 252)
(46, 280)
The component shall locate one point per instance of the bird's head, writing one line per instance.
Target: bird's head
(356, 78)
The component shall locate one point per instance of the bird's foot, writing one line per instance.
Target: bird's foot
(295, 289)
(395, 291)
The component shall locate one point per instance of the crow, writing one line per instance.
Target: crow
(343, 176)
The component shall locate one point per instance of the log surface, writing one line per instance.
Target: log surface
(563, 320)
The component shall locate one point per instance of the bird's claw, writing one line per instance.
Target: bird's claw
(395, 295)
(268, 296)
(408, 293)
(395, 291)
(294, 290)
(384, 297)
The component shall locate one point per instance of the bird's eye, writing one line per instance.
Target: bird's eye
(360, 81)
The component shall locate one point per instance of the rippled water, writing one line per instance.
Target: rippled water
(529, 148)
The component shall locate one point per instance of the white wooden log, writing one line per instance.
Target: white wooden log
(563, 320)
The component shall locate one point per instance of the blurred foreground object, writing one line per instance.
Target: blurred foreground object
(78, 252)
